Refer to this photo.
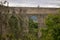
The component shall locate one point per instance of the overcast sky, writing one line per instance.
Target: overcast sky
(34, 3)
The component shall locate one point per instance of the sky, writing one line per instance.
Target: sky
(33, 3)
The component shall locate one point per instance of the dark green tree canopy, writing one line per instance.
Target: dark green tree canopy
(52, 32)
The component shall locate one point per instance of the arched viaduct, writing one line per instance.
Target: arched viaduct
(26, 12)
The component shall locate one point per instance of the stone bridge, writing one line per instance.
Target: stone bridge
(27, 12)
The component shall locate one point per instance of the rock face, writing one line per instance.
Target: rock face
(26, 12)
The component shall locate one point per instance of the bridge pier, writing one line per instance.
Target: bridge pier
(25, 24)
(40, 24)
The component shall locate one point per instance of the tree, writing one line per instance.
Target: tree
(52, 32)
(2, 3)
(14, 32)
(33, 28)
(6, 2)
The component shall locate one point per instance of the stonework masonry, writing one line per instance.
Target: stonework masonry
(41, 14)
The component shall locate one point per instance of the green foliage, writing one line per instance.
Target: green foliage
(53, 20)
(52, 32)
(33, 29)
(29, 36)
(33, 24)
(14, 32)
(14, 29)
